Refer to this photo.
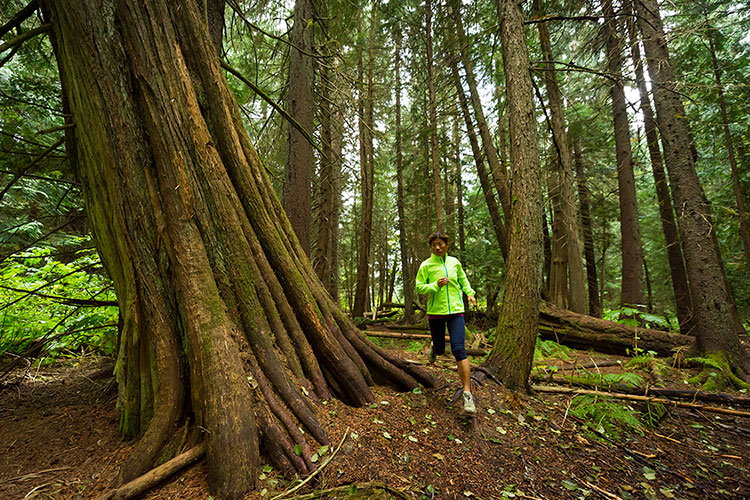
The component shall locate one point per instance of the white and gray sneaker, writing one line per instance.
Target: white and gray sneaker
(431, 356)
(469, 403)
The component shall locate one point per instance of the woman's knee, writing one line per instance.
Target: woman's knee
(459, 352)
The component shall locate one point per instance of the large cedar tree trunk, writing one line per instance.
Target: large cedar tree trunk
(223, 318)
(716, 323)
(511, 356)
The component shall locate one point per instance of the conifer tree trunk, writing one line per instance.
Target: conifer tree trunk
(680, 287)
(367, 171)
(511, 356)
(406, 274)
(300, 160)
(738, 196)
(715, 320)
(223, 318)
(498, 224)
(570, 240)
(325, 248)
(595, 303)
(464, 51)
(437, 183)
(632, 254)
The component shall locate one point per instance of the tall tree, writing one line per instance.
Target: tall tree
(437, 182)
(300, 159)
(568, 240)
(680, 287)
(214, 289)
(513, 352)
(367, 170)
(406, 273)
(715, 320)
(498, 223)
(738, 196)
(325, 244)
(464, 51)
(632, 253)
(584, 195)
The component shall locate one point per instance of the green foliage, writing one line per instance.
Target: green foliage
(630, 316)
(605, 415)
(609, 379)
(546, 349)
(716, 374)
(46, 318)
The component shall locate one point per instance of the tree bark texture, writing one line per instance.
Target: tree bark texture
(511, 356)
(632, 255)
(595, 303)
(680, 287)
(571, 242)
(223, 318)
(715, 320)
(300, 160)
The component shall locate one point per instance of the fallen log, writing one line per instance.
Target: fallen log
(580, 330)
(646, 399)
(154, 476)
(696, 395)
(416, 336)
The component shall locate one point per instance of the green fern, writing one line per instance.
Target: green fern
(605, 415)
(546, 349)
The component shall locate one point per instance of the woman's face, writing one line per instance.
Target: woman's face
(439, 247)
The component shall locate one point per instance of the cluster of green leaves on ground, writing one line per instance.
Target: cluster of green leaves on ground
(36, 311)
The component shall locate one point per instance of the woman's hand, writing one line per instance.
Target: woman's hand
(443, 281)
(472, 301)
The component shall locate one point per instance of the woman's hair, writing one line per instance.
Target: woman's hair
(438, 235)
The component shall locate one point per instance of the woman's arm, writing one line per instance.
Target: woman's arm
(464, 281)
(423, 285)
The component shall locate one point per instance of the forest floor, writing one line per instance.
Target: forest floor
(58, 440)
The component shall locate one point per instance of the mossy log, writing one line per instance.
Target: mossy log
(582, 331)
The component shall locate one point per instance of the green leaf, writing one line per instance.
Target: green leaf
(569, 485)
(649, 473)
(298, 450)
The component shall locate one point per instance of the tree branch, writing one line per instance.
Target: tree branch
(23, 37)
(20, 17)
(274, 105)
(65, 300)
(28, 167)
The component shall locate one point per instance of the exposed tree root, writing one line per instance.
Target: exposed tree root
(154, 476)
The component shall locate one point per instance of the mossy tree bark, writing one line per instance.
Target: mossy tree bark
(224, 323)
(512, 355)
(715, 320)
